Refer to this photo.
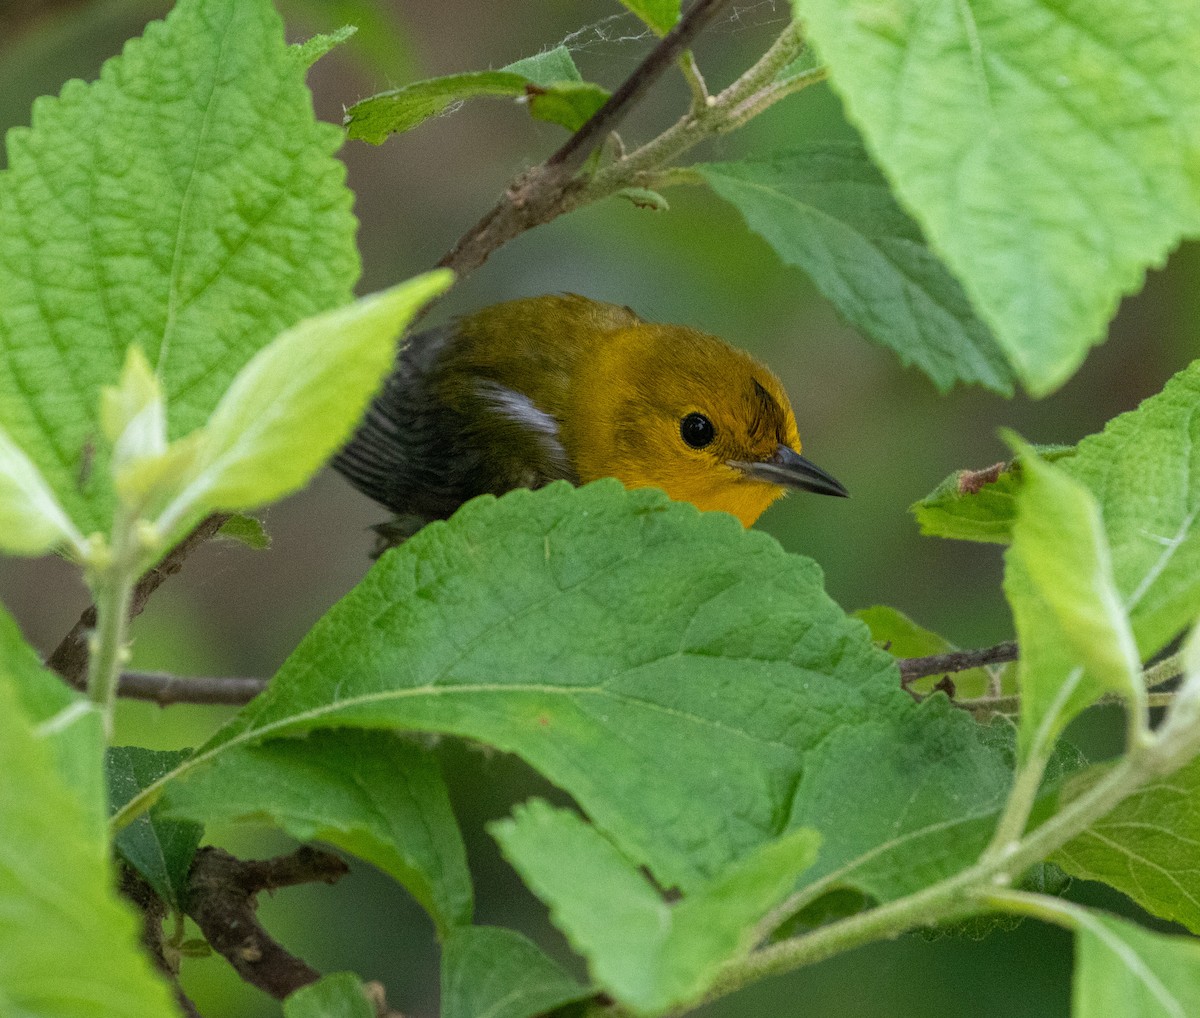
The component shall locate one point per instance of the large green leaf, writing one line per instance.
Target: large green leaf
(369, 793)
(675, 673)
(1076, 643)
(668, 668)
(548, 81)
(66, 722)
(186, 201)
(68, 946)
(490, 972)
(1051, 151)
(647, 953)
(1122, 969)
(827, 210)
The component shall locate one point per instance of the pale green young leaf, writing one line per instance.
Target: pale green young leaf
(160, 848)
(339, 995)
(312, 49)
(296, 402)
(827, 210)
(65, 721)
(549, 81)
(57, 901)
(133, 416)
(660, 15)
(1144, 468)
(31, 519)
(1123, 969)
(187, 201)
(1051, 152)
(648, 954)
(487, 970)
(1076, 643)
(369, 793)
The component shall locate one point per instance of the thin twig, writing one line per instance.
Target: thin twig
(222, 899)
(70, 657)
(153, 911)
(165, 689)
(538, 195)
(913, 668)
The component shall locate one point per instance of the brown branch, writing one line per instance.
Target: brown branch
(165, 689)
(222, 899)
(70, 657)
(913, 668)
(153, 911)
(541, 193)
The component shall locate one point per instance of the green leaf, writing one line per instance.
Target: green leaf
(64, 721)
(901, 637)
(31, 519)
(549, 80)
(927, 811)
(1051, 154)
(186, 201)
(980, 505)
(247, 530)
(666, 630)
(296, 402)
(1144, 469)
(972, 505)
(1076, 643)
(498, 973)
(311, 50)
(827, 210)
(1122, 969)
(339, 995)
(1146, 847)
(547, 68)
(159, 848)
(660, 15)
(647, 953)
(370, 793)
(568, 103)
(68, 946)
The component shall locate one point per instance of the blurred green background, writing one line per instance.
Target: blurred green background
(881, 429)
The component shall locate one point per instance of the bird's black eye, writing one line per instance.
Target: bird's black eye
(696, 430)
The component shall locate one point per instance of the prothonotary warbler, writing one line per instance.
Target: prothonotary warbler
(530, 391)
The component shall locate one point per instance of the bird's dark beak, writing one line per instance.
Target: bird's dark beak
(789, 468)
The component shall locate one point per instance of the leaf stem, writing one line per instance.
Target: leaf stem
(112, 582)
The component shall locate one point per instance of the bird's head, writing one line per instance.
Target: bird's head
(669, 407)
